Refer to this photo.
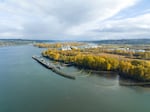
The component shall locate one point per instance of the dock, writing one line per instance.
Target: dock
(52, 67)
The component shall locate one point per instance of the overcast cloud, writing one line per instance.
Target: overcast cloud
(74, 19)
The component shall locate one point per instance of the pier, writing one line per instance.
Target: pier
(52, 67)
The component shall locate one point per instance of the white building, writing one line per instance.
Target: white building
(65, 48)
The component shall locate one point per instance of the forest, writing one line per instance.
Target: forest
(92, 59)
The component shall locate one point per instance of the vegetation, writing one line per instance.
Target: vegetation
(47, 45)
(57, 45)
(92, 59)
(135, 69)
(14, 42)
(131, 54)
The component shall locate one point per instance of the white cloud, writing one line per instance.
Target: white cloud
(105, 10)
(135, 27)
(67, 19)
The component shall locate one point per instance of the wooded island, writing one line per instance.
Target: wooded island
(97, 57)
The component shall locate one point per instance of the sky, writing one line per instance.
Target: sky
(74, 19)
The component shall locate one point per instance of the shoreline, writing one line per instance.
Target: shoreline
(133, 81)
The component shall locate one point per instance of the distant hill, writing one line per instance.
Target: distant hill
(24, 40)
(12, 42)
(7, 42)
(123, 41)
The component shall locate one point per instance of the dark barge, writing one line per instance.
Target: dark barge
(52, 67)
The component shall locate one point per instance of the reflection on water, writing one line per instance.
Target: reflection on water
(26, 86)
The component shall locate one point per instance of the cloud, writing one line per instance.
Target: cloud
(135, 27)
(67, 19)
(104, 11)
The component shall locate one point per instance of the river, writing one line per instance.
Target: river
(26, 86)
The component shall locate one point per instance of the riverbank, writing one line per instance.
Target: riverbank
(138, 70)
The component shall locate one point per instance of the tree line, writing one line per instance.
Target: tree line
(134, 69)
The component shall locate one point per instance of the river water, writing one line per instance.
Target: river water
(26, 86)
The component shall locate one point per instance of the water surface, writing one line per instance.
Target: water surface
(26, 86)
